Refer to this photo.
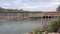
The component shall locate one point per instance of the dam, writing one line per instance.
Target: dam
(28, 15)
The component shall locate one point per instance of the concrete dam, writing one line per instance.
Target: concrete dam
(27, 15)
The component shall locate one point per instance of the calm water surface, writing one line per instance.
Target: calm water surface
(22, 26)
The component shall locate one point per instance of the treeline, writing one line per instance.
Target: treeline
(10, 10)
(21, 10)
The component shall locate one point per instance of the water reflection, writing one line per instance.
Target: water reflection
(21, 26)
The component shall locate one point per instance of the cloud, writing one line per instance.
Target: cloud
(17, 1)
(41, 5)
(31, 4)
(6, 4)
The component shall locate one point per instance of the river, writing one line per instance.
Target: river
(22, 26)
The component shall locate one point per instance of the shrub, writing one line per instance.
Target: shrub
(37, 31)
(54, 26)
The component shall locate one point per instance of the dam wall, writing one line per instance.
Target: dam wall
(27, 15)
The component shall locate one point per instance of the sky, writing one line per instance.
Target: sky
(33, 5)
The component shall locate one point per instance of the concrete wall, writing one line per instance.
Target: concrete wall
(27, 15)
(51, 13)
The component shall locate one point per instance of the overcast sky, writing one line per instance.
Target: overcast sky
(39, 5)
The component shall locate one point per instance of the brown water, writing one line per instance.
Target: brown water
(22, 26)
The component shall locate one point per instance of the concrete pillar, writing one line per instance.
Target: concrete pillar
(48, 16)
(54, 17)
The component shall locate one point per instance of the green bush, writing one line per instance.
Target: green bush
(54, 26)
(37, 31)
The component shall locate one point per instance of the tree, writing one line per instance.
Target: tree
(58, 9)
(2, 9)
(10, 10)
(21, 10)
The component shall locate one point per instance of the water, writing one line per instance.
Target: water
(22, 26)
